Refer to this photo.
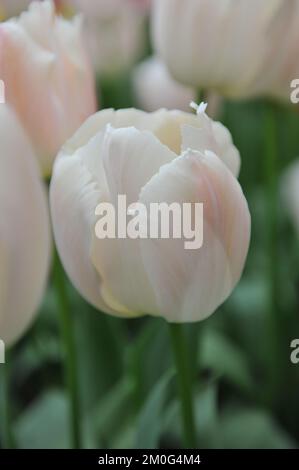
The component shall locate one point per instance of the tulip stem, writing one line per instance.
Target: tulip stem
(271, 178)
(184, 381)
(70, 363)
(6, 434)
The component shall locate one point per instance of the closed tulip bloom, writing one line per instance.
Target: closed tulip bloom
(47, 76)
(165, 156)
(155, 88)
(281, 65)
(215, 44)
(114, 32)
(24, 230)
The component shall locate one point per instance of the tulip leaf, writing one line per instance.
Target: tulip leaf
(205, 410)
(150, 419)
(111, 414)
(44, 424)
(225, 358)
(249, 429)
(100, 353)
(148, 358)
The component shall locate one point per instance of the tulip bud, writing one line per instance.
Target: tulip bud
(155, 88)
(24, 230)
(162, 157)
(281, 65)
(215, 44)
(48, 79)
(114, 31)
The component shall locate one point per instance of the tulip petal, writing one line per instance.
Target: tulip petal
(74, 195)
(236, 34)
(24, 230)
(228, 153)
(130, 160)
(48, 78)
(190, 284)
(215, 137)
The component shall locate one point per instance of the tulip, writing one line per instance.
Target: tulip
(155, 88)
(281, 65)
(215, 44)
(24, 230)
(47, 77)
(165, 156)
(290, 192)
(114, 32)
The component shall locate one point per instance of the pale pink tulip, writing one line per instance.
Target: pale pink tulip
(48, 78)
(281, 66)
(165, 156)
(155, 88)
(221, 45)
(25, 240)
(114, 31)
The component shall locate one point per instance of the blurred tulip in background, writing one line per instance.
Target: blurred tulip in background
(47, 76)
(281, 64)
(216, 44)
(114, 31)
(155, 88)
(24, 230)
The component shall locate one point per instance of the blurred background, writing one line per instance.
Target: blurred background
(246, 387)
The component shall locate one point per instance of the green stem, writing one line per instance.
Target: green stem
(201, 96)
(70, 362)
(6, 430)
(184, 379)
(271, 181)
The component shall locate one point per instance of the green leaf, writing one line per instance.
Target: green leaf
(45, 423)
(250, 429)
(205, 409)
(100, 353)
(112, 413)
(225, 358)
(149, 357)
(150, 420)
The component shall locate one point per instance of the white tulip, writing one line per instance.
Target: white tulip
(24, 230)
(114, 31)
(215, 44)
(155, 88)
(48, 78)
(166, 156)
(281, 65)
